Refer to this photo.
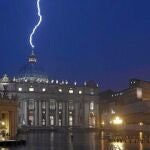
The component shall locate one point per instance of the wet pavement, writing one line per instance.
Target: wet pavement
(46, 140)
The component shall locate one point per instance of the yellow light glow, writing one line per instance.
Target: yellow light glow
(118, 145)
(3, 123)
(141, 123)
(139, 93)
(117, 120)
(141, 135)
(103, 123)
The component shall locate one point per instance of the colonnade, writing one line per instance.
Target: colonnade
(56, 113)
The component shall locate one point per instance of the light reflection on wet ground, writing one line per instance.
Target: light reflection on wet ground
(80, 141)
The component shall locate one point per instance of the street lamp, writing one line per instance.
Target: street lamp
(102, 123)
(117, 120)
(3, 123)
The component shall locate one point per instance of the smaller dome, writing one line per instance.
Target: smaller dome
(5, 79)
(31, 72)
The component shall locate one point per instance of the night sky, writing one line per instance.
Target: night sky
(103, 40)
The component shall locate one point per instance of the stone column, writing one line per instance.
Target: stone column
(0, 115)
(12, 123)
(25, 104)
(76, 113)
(64, 114)
(36, 112)
(97, 115)
(56, 114)
(15, 122)
(40, 113)
(47, 113)
(86, 114)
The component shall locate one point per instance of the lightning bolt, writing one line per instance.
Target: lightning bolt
(37, 25)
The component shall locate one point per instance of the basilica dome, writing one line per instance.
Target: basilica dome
(31, 72)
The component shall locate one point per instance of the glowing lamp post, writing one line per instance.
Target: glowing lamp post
(3, 129)
(117, 121)
(102, 123)
(3, 123)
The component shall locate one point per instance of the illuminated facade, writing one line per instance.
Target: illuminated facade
(8, 116)
(51, 103)
(132, 104)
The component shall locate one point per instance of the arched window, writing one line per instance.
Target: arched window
(92, 106)
(52, 105)
(51, 120)
(60, 106)
(70, 105)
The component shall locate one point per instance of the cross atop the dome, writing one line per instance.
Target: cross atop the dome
(32, 58)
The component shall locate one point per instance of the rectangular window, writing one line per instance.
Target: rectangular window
(70, 105)
(20, 89)
(31, 105)
(60, 106)
(70, 120)
(52, 105)
(31, 118)
(139, 93)
(31, 89)
(43, 122)
(43, 105)
(43, 117)
(92, 106)
(51, 120)
(59, 122)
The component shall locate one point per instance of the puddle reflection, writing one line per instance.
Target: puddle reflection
(79, 141)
